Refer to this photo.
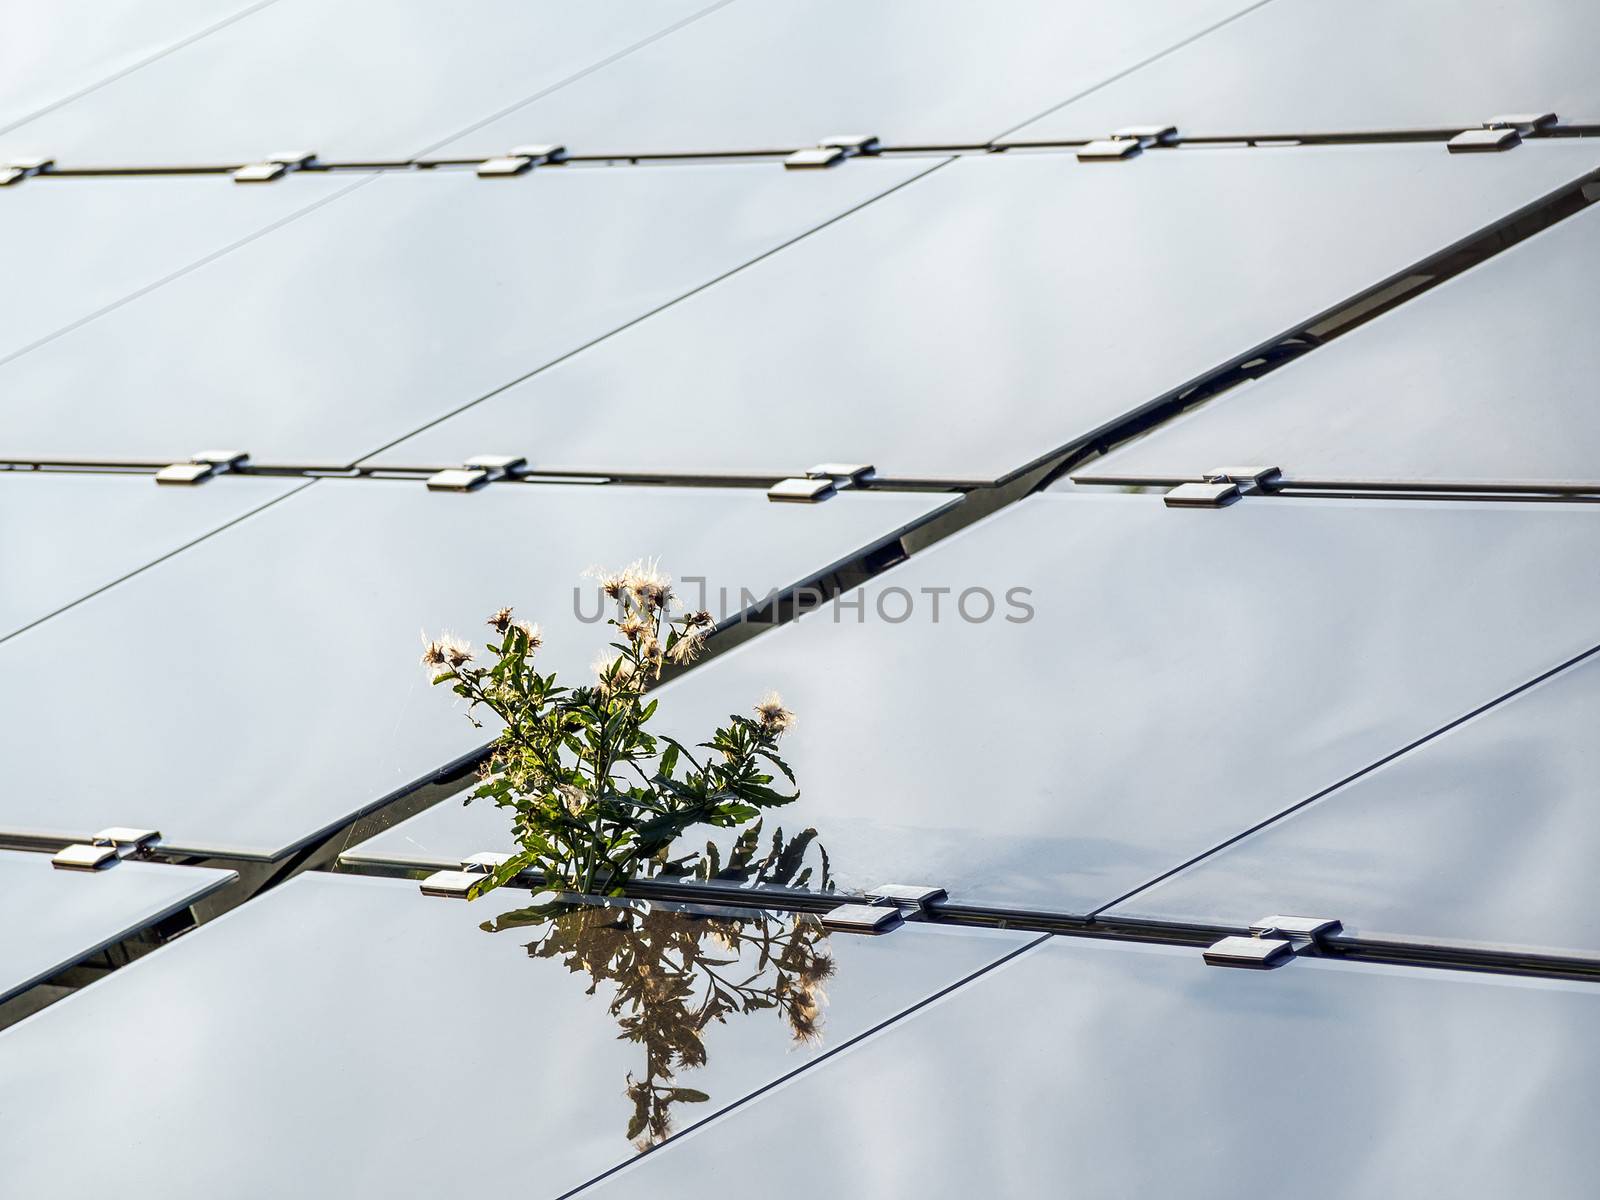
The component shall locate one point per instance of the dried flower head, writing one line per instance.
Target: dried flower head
(774, 717)
(533, 633)
(612, 674)
(457, 652)
(650, 587)
(446, 650)
(687, 648)
(501, 621)
(633, 627)
(612, 583)
(696, 620)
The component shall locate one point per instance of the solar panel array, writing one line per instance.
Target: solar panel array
(1198, 568)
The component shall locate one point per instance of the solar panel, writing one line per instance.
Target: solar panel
(50, 919)
(1113, 1069)
(1486, 834)
(1001, 308)
(68, 536)
(378, 1029)
(264, 685)
(75, 247)
(1302, 67)
(410, 296)
(352, 80)
(1163, 680)
(53, 50)
(1486, 379)
(761, 76)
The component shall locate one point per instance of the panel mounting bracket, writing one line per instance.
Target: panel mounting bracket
(477, 471)
(843, 474)
(831, 151)
(1500, 133)
(1273, 941)
(1302, 933)
(18, 169)
(912, 899)
(1247, 479)
(1202, 495)
(805, 490)
(458, 884)
(202, 466)
(106, 848)
(862, 918)
(1127, 143)
(521, 159)
(274, 166)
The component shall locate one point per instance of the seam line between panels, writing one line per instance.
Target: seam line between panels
(770, 1085)
(206, 260)
(139, 570)
(249, 11)
(1126, 71)
(645, 316)
(589, 70)
(1351, 778)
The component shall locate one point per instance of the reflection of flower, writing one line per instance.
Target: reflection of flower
(672, 972)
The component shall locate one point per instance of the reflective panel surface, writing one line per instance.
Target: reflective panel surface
(1486, 834)
(53, 50)
(64, 536)
(1487, 378)
(409, 297)
(82, 245)
(752, 76)
(1148, 681)
(1300, 66)
(1101, 1069)
(264, 685)
(50, 919)
(999, 309)
(351, 80)
(632, 1026)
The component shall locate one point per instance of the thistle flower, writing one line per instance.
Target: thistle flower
(687, 648)
(446, 650)
(501, 621)
(696, 620)
(612, 674)
(774, 717)
(633, 627)
(650, 587)
(650, 650)
(533, 633)
(612, 583)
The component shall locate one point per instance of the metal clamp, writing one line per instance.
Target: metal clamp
(1202, 495)
(106, 848)
(1246, 479)
(801, 491)
(18, 169)
(274, 166)
(202, 466)
(1127, 143)
(458, 884)
(1500, 133)
(521, 159)
(831, 151)
(1273, 940)
(913, 899)
(1221, 486)
(862, 918)
(477, 471)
